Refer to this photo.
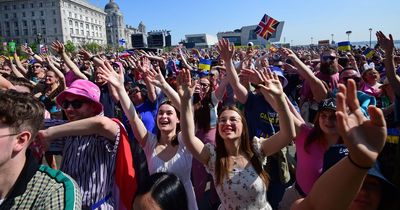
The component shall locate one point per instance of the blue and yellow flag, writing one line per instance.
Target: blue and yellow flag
(344, 46)
(205, 64)
(369, 53)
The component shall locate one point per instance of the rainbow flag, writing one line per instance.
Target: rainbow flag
(125, 185)
(205, 64)
(369, 53)
(344, 46)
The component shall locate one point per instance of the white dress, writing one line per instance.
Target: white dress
(242, 189)
(180, 165)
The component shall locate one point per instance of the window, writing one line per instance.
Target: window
(24, 23)
(70, 22)
(71, 30)
(87, 33)
(70, 14)
(55, 30)
(16, 32)
(52, 4)
(76, 23)
(7, 24)
(76, 15)
(40, 4)
(5, 7)
(16, 24)
(32, 5)
(25, 32)
(92, 27)
(252, 35)
(6, 16)
(87, 25)
(7, 33)
(77, 31)
(23, 14)
(41, 13)
(54, 11)
(82, 32)
(54, 21)
(43, 31)
(42, 22)
(33, 14)
(34, 22)
(81, 17)
(87, 19)
(81, 25)
(23, 6)
(14, 6)
(34, 31)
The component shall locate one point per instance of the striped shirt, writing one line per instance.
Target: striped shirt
(40, 187)
(90, 160)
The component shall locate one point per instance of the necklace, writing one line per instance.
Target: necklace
(237, 163)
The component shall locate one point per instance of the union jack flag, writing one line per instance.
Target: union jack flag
(266, 27)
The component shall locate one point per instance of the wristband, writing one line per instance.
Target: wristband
(357, 165)
(33, 54)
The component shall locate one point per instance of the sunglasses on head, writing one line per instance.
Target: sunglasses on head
(76, 104)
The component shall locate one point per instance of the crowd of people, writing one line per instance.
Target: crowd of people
(277, 128)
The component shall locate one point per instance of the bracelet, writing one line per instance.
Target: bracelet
(33, 54)
(357, 165)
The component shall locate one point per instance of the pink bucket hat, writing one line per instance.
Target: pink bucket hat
(85, 89)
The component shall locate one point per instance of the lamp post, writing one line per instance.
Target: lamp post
(332, 38)
(348, 35)
(370, 36)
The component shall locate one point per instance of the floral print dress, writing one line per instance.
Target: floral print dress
(243, 189)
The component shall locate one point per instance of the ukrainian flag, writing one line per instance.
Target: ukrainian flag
(344, 46)
(369, 53)
(205, 64)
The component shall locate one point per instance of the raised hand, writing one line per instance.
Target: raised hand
(226, 50)
(58, 47)
(364, 138)
(185, 85)
(288, 53)
(156, 77)
(252, 75)
(144, 65)
(270, 84)
(85, 54)
(386, 43)
(26, 50)
(107, 73)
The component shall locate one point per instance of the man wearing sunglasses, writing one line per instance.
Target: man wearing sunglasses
(24, 184)
(89, 143)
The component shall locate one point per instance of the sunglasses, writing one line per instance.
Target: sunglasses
(76, 104)
(328, 58)
(37, 66)
(134, 91)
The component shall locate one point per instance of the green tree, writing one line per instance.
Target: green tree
(92, 47)
(70, 47)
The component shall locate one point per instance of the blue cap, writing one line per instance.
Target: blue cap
(278, 71)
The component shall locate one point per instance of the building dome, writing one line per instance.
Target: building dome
(111, 6)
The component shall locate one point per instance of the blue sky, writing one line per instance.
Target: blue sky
(303, 18)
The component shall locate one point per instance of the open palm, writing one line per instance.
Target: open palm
(185, 85)
(225, 49)
(112, 77)
(364, 138)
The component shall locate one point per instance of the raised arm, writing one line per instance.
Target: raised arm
(5, 84)
(9, 63)
(318, 89)
(364, 139)
(144, 67)
(59, 48)
(103, 126)
(19, 64)
(117, 81)
(30, 52)
(156, 78)
(220, 91)
(50, 61)
(272, 91)
(388, 46)
(227, 51)
(192, 143)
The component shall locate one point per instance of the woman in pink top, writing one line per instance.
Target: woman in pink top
(312, 141)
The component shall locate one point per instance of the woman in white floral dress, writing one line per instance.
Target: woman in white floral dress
(234, 162)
